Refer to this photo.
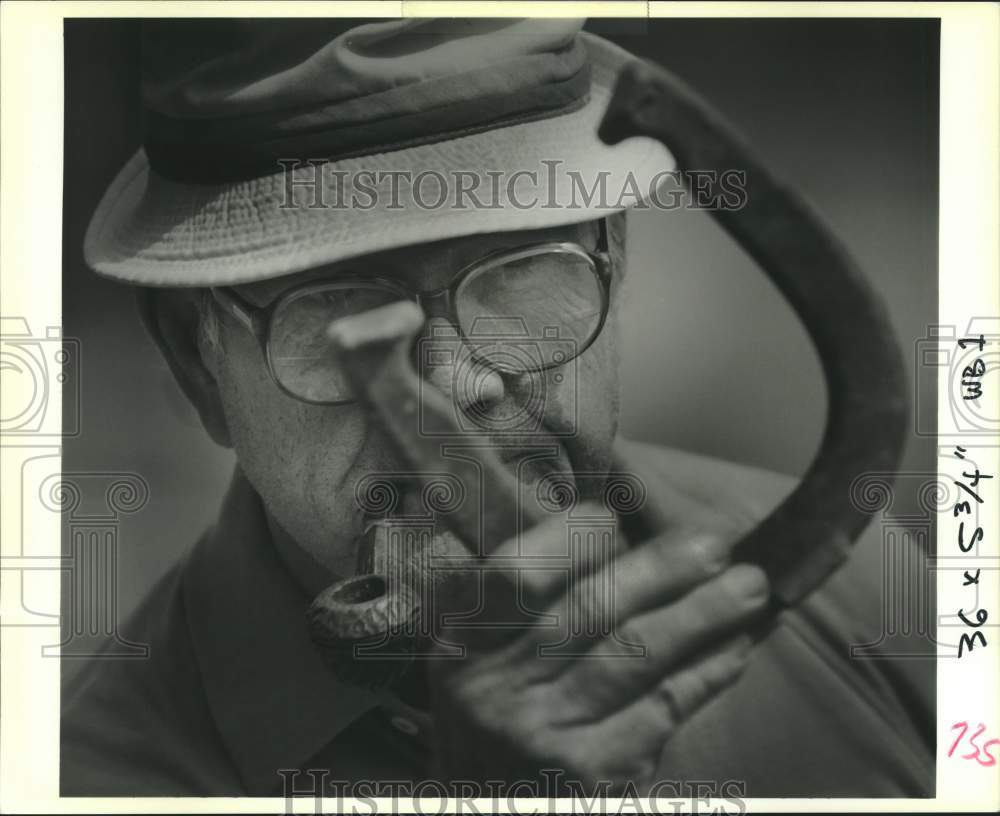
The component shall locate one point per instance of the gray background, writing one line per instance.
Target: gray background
(713, 360)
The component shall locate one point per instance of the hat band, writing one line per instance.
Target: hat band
(193, 151)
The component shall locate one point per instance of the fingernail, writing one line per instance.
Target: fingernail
(714, 552)
(748, 581)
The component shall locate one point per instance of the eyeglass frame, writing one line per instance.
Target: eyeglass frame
(258, 319)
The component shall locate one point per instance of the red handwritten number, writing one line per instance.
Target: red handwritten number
(977, 753)
(965, 727)
(974, 754)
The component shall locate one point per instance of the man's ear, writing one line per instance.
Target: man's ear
(171, 317)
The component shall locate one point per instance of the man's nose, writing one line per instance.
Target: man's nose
(446, 362)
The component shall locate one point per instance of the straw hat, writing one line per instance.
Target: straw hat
(276, 146)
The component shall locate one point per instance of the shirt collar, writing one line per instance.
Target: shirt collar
(274, 701)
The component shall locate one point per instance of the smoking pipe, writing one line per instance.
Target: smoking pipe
(367, 625)
(804, 539)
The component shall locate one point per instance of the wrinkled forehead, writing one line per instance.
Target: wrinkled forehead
(423, 266)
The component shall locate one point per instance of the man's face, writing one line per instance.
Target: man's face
(306, 460)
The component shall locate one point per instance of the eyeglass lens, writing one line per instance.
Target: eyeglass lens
(517, 316)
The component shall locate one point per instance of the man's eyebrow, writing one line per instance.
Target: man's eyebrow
(264, 293)
(455, 257)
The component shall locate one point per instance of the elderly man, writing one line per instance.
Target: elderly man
(296, 174)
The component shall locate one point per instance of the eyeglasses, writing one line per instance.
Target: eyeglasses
(518, 311)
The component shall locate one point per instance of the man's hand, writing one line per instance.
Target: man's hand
(510, 708)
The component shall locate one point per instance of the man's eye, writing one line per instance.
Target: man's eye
(342, 297)
(342, 302)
